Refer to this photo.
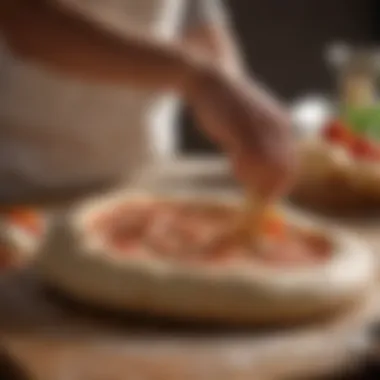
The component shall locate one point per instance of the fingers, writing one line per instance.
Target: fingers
(267, 178)
(251, 126)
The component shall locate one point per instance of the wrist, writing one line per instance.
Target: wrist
(193, 69)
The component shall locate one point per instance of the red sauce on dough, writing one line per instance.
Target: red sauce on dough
(188, 232)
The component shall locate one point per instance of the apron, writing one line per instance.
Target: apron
(108, 130)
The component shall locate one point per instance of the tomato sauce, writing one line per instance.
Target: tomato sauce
(201, 234)
(28, 220)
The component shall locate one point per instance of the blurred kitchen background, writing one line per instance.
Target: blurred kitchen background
(284, 43)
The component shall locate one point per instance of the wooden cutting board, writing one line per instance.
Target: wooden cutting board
(53, 338)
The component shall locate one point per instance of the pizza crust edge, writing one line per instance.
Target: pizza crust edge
(76, 264)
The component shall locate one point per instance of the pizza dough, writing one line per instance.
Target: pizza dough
(77, 260)
(331, 180)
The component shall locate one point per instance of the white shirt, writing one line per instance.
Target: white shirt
(107, 129)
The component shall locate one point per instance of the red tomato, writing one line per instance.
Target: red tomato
(337, 132)
(363, 148)
(376, 153)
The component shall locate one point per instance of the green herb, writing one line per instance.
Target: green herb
(363, 121)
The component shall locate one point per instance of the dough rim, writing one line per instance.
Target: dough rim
(74, 262)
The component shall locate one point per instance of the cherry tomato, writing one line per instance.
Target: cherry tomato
(360, 147)
(363, 148)
(376, 153)
(336, 131)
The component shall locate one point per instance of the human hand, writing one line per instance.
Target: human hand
(250, 125)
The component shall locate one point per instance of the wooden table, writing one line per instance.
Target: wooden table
(50, 335)
(54, 338)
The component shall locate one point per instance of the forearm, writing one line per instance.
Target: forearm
(67, 40)
(210, 30)
(225, 45)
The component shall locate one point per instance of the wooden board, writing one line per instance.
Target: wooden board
(54, 338)
(50, 335)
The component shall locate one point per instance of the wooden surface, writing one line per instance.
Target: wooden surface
(54, 338)
(49, 335)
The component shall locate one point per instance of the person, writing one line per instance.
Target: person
(68, 65)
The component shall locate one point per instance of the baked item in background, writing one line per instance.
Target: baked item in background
(339, 172)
